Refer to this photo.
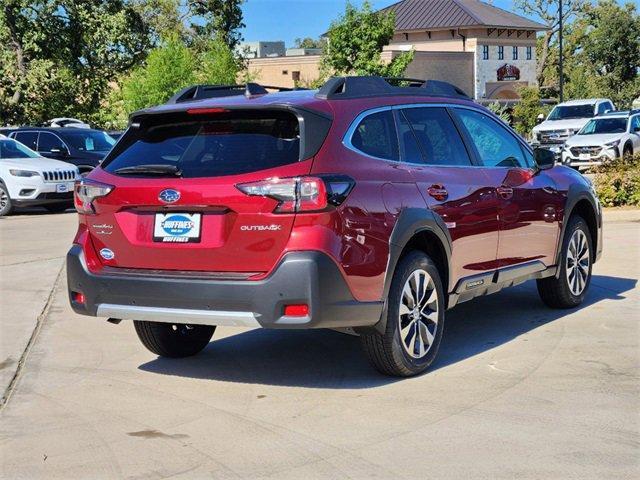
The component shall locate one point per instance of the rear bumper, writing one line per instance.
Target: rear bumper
(310, 277)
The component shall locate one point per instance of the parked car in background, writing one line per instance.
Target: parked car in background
(83, 147)
(67, 122)
(565, 120)
(361, 206)
(28, 179)
(603, 138)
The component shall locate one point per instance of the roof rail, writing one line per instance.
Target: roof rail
(337, 88)
(200, 92)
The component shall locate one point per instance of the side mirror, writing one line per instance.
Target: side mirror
(544, 158)
(540, 119)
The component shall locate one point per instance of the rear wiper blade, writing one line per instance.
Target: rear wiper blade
(150, 168)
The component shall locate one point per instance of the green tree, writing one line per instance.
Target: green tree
(171, 67)
(309, 42)
(547, 12)
(60, 56)
(217, 64)
(606, 51)
(527, 110)
(168, 68)
(355, 42)
(220, 18)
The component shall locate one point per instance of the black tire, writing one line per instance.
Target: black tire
(173, 340)
(386, 351)
(58, 207)
(5, 201)
(557, 292)
(627, 152)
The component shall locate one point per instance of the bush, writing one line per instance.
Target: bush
(617, 183)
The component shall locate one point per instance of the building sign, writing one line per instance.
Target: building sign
(508, 72)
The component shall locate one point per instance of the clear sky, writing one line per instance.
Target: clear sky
(290, 19)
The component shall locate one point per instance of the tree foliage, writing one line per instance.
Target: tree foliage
(527, 110)
(604, 59)
(58, 55)
(355, 42)
(309, 42)
(221, 18)
(547, 11)
(172, 67)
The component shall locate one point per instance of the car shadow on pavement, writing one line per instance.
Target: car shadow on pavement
(328, 359)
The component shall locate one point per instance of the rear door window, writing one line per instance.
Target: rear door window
(437, 136)
(30, 139)
(220, 144)
(376, 136)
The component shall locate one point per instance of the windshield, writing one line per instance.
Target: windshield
(223, 144)
(562, 112)
(91, 141)
(12, 149)
(604, 125)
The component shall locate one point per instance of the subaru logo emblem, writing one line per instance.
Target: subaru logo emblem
(169, 196)
(107, 254)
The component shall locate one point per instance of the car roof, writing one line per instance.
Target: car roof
(55, 129)
(620, 113)
(583, 101)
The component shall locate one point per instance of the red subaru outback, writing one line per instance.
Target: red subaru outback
(364, 205)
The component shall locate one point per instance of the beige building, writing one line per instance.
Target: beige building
(480, 48)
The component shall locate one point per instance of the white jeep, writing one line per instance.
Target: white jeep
(27, 179)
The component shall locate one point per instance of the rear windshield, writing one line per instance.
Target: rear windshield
(218, 144)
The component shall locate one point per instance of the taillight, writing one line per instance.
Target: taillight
(86, 191)
(301, 194)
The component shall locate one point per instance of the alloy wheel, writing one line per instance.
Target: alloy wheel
(418, 316)
(578, 260)
(4, 198)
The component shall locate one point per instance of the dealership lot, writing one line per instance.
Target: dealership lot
(519, 390)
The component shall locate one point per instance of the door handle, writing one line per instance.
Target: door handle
(505, 192)
(437, 191)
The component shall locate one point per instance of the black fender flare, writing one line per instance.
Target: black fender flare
(575, 194)
(410, 222)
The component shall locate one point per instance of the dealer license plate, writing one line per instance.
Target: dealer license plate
(177, 227)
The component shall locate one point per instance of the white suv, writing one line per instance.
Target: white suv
(27, 179)
(604, 138)
(566, 119)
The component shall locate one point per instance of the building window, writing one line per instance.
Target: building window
(285, 72)
(295, 76)
(529, 53)
(485, 52)
(515, 53)
(501, 52)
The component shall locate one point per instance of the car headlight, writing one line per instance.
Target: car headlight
(613, 144)
(24, 173)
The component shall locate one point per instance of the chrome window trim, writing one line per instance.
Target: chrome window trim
(55, 135)
(346, 139)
